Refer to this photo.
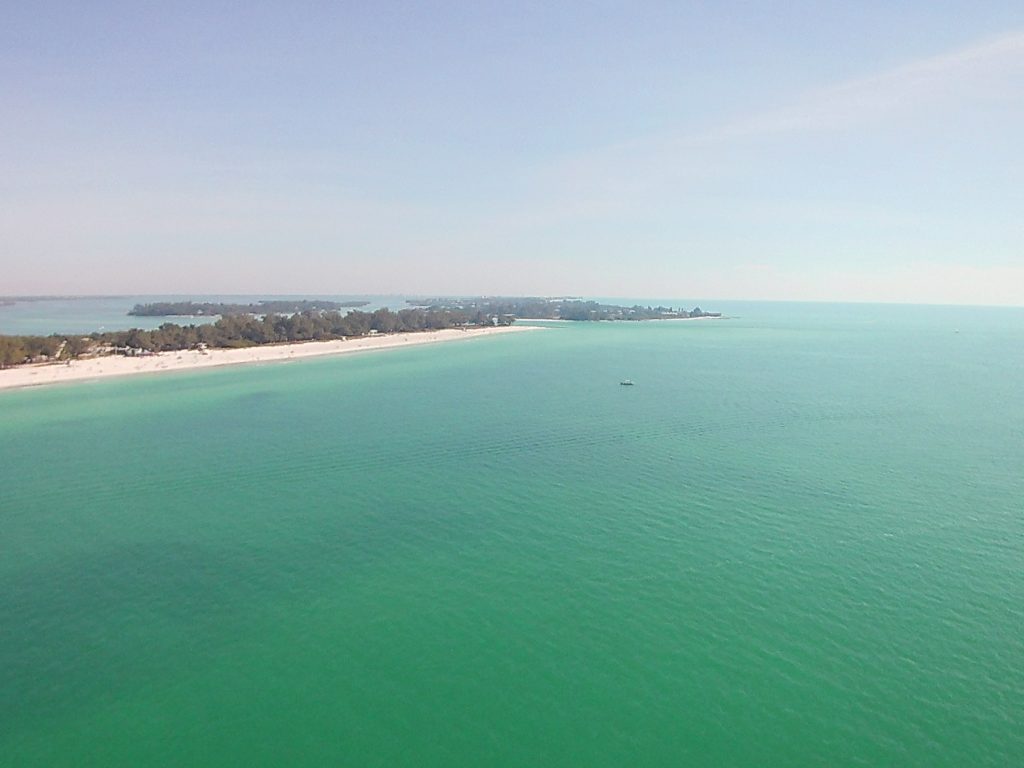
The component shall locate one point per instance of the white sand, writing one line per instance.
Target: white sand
(702, 317)
(117, 365)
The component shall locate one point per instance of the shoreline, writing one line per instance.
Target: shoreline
(90, 369)
(702, 317)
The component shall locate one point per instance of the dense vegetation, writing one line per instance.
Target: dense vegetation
(195, 309)
(15, 350)
(561, 309)
(238, 331)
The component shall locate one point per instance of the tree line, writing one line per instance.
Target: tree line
(207, 308)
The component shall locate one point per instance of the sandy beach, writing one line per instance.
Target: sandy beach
(116, 365)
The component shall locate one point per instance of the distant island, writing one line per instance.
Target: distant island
(205, 309)
(536, 308)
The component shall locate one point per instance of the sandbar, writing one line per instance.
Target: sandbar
(119, 365)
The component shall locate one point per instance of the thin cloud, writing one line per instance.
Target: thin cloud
(992, 69)
(989, 71)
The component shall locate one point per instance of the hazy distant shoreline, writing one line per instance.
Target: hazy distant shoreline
(119, 365)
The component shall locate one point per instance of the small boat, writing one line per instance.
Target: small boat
(626, 383)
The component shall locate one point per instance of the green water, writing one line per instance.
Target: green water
(797, 541)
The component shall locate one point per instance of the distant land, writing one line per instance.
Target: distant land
(202, 309)
(539, 308)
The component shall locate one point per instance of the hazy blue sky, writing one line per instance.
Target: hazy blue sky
(848, 151)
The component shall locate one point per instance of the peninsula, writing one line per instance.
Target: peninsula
(540, 308)
(284, 330)
(234, 331)
(104, 366)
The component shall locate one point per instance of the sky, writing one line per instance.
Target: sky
(816, 151)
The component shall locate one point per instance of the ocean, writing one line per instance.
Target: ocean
(798, 540)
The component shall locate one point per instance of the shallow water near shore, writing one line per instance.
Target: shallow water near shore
(798, 540)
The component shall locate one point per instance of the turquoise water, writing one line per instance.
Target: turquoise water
(797, 541)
